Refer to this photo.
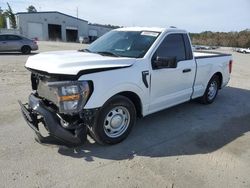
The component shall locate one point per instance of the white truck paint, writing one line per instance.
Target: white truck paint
(158, 82)
(244, 50)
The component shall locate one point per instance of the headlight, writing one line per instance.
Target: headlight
(70, 96)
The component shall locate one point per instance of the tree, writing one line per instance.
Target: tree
(2, 19)
(31, 8)
(230, 39)
(9, 13)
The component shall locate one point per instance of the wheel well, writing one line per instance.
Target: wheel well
(220, 77)
(25, 46)
(135, 99)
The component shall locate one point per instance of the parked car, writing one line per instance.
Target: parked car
(125, 74)
(198, 47)
(236, 49)
(195, 47)
(16, 43)
(214, 47)
(244, 50)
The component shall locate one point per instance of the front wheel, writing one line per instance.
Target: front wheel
(211, 91)
(115, 121)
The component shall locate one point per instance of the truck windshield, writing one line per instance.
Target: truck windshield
(124, 43)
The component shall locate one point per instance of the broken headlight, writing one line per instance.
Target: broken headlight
(69, 96)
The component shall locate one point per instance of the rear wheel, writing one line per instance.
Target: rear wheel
(26, 50)
(115, 121)
(211, 91)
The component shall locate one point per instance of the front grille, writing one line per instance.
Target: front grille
(34, 81)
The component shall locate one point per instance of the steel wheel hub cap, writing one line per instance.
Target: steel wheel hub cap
(212, 90)
(116, 122)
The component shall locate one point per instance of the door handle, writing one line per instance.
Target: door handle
(186, 70)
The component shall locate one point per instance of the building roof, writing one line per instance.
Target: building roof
(48, 12)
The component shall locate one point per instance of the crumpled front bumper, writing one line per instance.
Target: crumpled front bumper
(36, 112)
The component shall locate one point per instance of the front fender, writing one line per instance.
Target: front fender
(101, 95)
(109, 83)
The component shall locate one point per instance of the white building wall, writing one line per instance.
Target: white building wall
(46, 18)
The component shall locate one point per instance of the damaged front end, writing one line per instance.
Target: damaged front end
(58, 106)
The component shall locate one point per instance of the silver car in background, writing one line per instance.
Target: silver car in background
(14, 43)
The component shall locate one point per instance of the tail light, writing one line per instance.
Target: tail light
(230, 66)
(35, 40)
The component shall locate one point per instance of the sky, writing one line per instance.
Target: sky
(192, 15)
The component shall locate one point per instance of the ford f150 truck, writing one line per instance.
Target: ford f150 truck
(125, 74)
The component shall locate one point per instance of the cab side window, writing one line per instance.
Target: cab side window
(172, 46)
(13, 37)
(2, 37)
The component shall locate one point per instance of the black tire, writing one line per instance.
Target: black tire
(119, 104)
(207, 98)
(25, 50)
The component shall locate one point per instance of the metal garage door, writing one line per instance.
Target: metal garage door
(35, 30)
(92, 35)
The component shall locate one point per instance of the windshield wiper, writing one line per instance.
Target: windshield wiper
(101, 53)
(108, 53)
(85, 50)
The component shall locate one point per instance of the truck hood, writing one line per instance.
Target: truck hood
(72, 62)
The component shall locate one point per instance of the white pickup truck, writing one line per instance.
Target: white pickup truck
(244, 50)
(127, 73)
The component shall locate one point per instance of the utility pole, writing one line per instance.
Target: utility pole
(78, 34)
(77, 12)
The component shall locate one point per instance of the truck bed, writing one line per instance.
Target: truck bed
(202, 54)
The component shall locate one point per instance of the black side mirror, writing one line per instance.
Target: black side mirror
(164, 62)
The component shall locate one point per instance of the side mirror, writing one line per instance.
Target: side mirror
(164, 62)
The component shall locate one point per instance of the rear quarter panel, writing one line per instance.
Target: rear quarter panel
(206, 68)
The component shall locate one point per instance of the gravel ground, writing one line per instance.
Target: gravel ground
(190, 145)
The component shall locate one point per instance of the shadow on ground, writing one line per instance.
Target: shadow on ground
(187, 129)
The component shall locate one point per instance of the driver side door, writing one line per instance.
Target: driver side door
(172, 81)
